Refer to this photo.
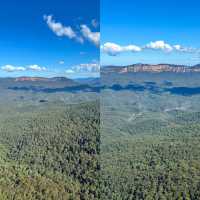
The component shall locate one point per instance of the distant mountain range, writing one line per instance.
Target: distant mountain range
(49, 85)
(158, 68)
(43, 79)
(55, 82)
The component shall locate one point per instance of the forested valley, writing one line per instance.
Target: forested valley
(49, 145)
(150, 136)
(139, 139)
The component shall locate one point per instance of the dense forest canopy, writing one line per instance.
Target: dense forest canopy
(150, 136)
(49, 145)
(138, 139)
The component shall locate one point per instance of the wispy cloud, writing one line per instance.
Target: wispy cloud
(69, 71)
(113, 49)
(185, 49)
(93, 37)
(84, 68)
(81, 33)
(36, 68)
(12, 68)
(59, 29)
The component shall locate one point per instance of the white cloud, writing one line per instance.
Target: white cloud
(84, 68)
(113, 49)
(95, 23)
(177, 47)
(93, 37)
(60, 30)
(11, 68)
(132, 48)
(185, 49)
(69, 71)
(159, 45)
(88, 67)
(36, 68)
(67, 31)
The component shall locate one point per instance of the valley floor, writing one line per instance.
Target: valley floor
(138, 140)
(49, 149)
(150, 141)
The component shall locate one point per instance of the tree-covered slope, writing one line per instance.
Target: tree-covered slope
(150, 137)
(50, 153)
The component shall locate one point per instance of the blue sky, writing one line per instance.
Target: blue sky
(61, 38)
(49, 38)
(150, 32)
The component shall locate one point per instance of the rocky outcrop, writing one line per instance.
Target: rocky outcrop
(152, 68)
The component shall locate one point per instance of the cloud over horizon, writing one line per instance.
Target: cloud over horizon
(113, 49)
(12, 68)
(159, 45)
(84, 68)
(36, 68)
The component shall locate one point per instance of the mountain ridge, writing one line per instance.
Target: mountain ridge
(154, 68)
(29, 81)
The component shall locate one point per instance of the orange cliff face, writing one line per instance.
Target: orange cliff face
(157, 68)
(153, 68)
